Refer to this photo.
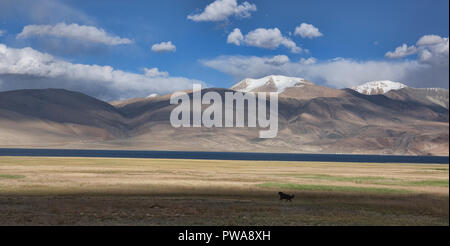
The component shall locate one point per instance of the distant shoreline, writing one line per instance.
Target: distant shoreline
(249, 156)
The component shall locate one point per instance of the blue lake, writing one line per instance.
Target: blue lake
(224, 155)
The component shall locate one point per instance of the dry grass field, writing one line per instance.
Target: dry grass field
(118, 191)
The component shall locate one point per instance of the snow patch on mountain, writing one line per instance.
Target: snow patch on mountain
(152, 95)
(277, 82)
(378, 87)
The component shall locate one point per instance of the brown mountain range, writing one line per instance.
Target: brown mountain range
(312, 119)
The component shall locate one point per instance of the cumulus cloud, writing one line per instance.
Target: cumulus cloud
(401, 51)
(235, 37)
(338, 73)
(28, 68)
(306, 30)
(433, 50)
(73, 31)
(221, 10)
(277, 60)
(263, 38)
(164, 47)
(154, 72)
(430, 40)
(308, 61)
(430, 49)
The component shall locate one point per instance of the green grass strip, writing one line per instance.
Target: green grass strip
(375, 180)
(431, 182)
(360, 179)
(9, 176)
(309, 187)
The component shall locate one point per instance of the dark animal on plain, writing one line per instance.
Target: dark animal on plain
(285, 196)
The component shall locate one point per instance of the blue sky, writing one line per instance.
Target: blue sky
(356, 35)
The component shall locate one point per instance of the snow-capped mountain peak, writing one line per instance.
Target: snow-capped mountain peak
(378, 87)
(276, 83)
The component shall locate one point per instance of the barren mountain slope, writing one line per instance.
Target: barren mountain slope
(312, 119)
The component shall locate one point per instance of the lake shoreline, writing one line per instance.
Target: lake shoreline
(203, 155)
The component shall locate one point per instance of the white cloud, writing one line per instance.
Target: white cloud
(402, 51)
(306, 30)
(154, 72)
(2, 32)
(235, 37)
(278, 60)
(434, 51)
(430, 40)
(338, 73)
(430, 49)
(73, 31)
(221, 10)
(308, 61)
(28, 68)
(164, 47)
(263, 38)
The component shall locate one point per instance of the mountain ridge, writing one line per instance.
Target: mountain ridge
(326, 121)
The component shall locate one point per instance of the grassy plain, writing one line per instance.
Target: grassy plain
(119, 191)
